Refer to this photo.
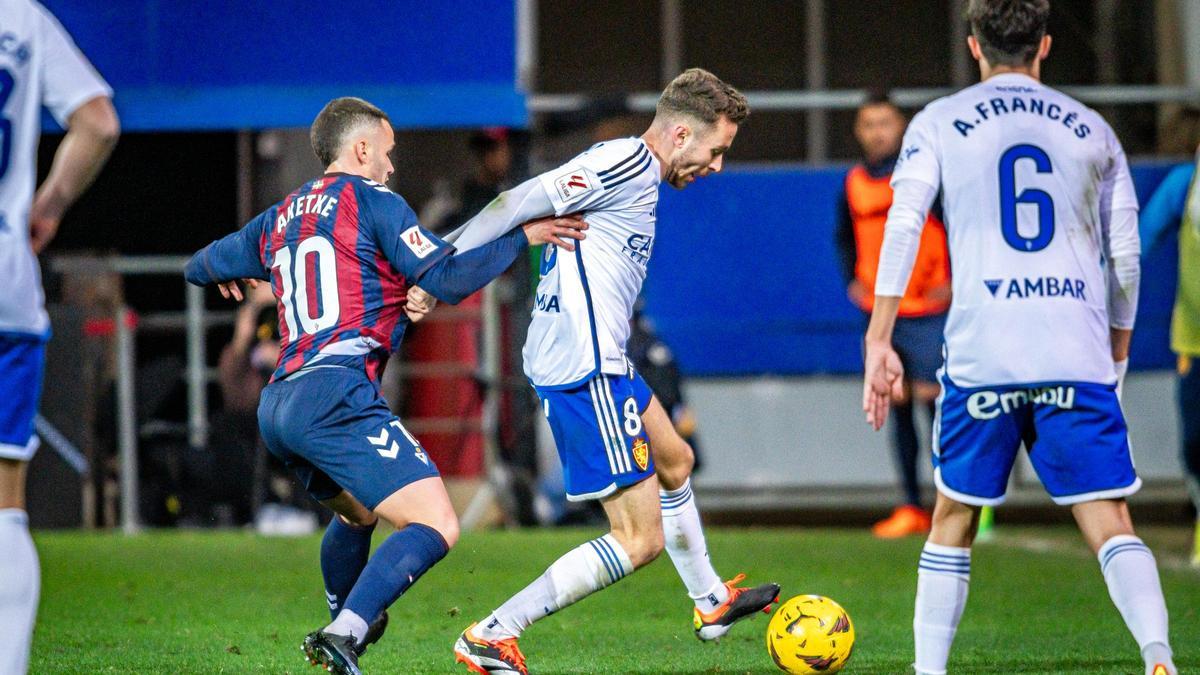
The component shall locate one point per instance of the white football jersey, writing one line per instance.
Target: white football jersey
(39, 65)
(1024, 173)
(585, 298)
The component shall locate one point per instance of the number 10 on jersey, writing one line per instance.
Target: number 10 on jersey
(293, 275)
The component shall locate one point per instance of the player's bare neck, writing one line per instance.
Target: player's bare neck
(1032, 70)
(654, 139)
(340, 167)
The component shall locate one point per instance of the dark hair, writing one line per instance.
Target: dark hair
(1009, 31)
(338, 118)
(699, 94)
(878, 97)
(486, 140)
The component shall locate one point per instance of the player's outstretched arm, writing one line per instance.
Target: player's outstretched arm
(527, 201)
(455, 277)
(92, 132)
(230, 258)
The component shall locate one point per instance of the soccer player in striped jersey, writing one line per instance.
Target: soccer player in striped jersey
(340, 253)
(616, 442)
(1042, 223)
(39, 66)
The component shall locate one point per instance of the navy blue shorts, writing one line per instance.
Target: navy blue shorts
(21, 363)
(1075, 433)
(335, 430)
(599, 434)
(918, 341)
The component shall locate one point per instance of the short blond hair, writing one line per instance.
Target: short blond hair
(699, 94)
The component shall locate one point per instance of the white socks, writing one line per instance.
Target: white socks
(348, 623)
(582, 571)
(942, 579)
(685, 544)
(1128, 568)
(1132, 578)
(19, 586)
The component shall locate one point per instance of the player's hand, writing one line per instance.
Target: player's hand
(44, 217)
(419, 304)
(556, 231)
(883, 381)
(230, 289)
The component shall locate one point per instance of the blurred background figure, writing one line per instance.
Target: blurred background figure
(1175, 206)
(656, 364)
(491, 164)
(251, 483)
(39, 66)
(879, 128)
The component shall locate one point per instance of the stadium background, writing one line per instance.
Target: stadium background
(215, 98)
(743, 285)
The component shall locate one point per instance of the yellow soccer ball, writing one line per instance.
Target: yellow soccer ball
(810, 634)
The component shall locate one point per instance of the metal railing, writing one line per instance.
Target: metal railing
(849, 99)
(195, 322)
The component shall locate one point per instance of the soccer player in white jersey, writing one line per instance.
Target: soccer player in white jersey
(1042, 223)
(616, 442)
(39, 66)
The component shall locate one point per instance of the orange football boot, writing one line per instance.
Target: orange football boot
(905, 520)
(742, 602)
(489, 656)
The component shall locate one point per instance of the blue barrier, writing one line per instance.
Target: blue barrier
(744, 278)
(229, 64)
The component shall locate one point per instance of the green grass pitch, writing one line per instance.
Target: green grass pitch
(197, 602)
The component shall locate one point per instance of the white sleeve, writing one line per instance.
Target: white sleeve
(576, 186)
(920, 153)
(509, 209)
(1122, 245)
(68, 79)
(1116, 190)
(911, 199)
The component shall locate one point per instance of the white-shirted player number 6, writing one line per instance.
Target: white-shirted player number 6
(1009, 199)
(296, 312)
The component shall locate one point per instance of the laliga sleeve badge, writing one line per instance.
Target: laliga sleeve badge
(573, 184)
(418, 243)
(641, 453)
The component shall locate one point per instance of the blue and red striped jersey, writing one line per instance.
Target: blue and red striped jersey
(340, 252)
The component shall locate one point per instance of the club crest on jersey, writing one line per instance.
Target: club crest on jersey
(641, 453)
(418, 243)
(573, 184)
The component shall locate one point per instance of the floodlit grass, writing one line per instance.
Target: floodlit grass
(231, 602)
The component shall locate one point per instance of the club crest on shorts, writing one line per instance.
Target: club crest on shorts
(641, 453)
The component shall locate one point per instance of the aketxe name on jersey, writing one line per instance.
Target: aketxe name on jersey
(317, 203)
(340, 296)
(340, 253)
